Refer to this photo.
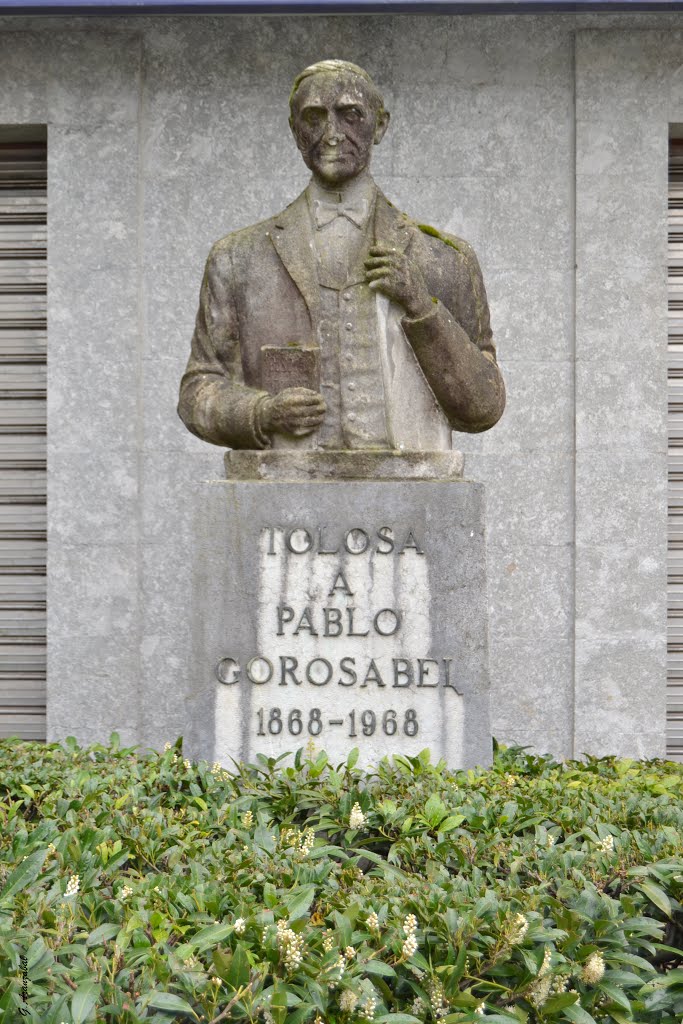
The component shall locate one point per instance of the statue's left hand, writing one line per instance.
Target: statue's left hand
(394, 273)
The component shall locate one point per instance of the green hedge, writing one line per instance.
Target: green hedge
(140, 887)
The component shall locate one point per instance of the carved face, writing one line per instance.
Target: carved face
(335, 125)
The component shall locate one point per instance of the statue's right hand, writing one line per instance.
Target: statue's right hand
(296, 411)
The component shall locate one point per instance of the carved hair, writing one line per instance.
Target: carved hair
(339, 66)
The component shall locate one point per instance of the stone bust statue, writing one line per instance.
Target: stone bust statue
(340, 324)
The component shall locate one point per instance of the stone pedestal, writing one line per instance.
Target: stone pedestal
(348, 612)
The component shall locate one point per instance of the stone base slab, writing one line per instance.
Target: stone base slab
(291, 464)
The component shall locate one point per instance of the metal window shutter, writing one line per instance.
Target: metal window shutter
(23, 449)
(674, 733)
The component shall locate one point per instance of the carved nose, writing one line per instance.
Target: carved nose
(332, 135)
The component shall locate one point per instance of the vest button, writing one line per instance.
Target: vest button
(351, 417)
(346, 296)
(349, 327)
(351, 386)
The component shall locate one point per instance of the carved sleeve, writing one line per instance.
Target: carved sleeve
(215, 403)
(453, 343)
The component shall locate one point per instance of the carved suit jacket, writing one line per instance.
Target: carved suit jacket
(260, 287)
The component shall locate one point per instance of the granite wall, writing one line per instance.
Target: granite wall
(543, 141)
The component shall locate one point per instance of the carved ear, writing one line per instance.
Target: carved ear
(292, 126)
(383, 119)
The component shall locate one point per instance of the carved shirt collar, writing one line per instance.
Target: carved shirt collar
(354, 201)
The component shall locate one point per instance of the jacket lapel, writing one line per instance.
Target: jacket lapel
(292, 237)
(391, 227)
(388, 227)
(293, 240)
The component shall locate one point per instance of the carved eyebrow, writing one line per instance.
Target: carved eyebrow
(321, 108)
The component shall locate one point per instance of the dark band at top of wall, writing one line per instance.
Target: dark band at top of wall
(329, 6)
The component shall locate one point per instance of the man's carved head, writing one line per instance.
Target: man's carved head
(336, 115)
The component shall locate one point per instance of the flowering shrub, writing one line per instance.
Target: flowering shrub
(141, 887)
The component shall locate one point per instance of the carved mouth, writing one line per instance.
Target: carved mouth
(334, 155)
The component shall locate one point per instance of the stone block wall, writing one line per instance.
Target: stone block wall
(543, 141)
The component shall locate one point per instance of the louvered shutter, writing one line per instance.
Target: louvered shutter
(23, 348)
(675, 566)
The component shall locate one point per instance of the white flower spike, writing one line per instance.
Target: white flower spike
(356, 819)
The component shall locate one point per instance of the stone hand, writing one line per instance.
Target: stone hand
(296, 411)
(392, 272)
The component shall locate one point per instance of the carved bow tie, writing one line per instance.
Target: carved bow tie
(325, 213)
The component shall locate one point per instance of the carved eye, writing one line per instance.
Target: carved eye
(353, 114)
(312, 117)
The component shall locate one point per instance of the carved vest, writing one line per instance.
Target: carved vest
(350, 361)
(376, 393)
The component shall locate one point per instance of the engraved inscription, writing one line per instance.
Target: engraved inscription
(399, 673)
(344, 611)
(273, 721)
(321, 540)
(332, 622)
